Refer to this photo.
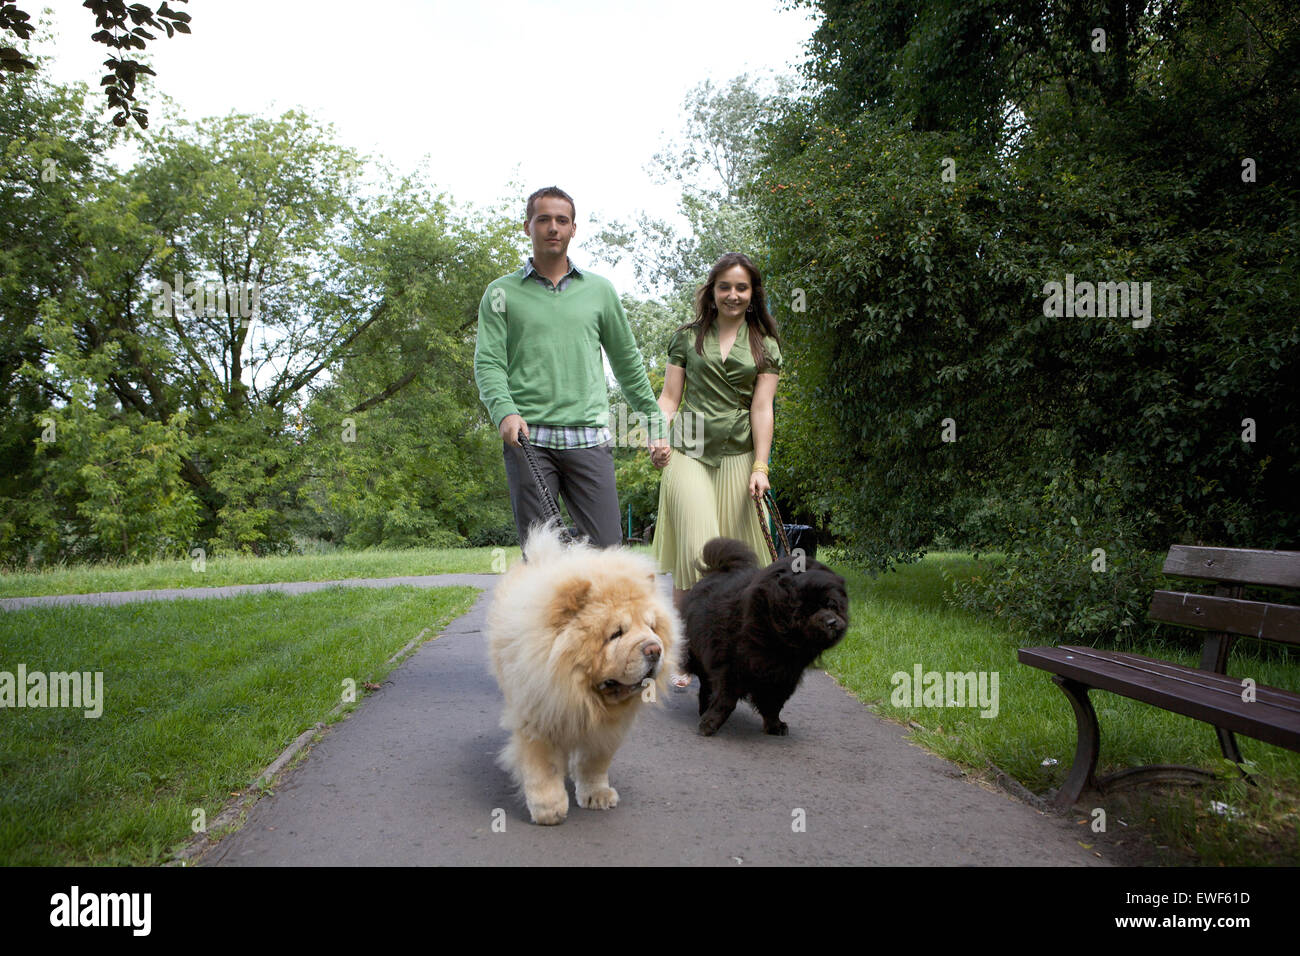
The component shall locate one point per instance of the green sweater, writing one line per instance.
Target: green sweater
(538, 353)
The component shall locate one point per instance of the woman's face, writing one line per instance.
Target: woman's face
(732, 292)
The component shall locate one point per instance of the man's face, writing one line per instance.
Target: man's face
(551, 227)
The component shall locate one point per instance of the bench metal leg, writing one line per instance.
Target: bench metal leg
(1228, 744)
(1214, 657)
(1083, 772)
(1171, 773)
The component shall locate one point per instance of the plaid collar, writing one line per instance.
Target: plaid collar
(531, 272)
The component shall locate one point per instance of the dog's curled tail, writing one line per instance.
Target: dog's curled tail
(726, 554)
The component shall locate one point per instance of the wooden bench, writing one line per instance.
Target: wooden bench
(1206, 693)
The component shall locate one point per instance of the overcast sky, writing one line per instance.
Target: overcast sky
(576, 93)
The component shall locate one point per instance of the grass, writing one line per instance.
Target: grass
(90, 579)
(900, 620)
(199, 696)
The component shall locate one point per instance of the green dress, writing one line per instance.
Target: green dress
(704, 490)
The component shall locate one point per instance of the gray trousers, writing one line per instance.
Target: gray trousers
(583, 478)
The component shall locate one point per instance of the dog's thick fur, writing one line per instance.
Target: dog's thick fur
(579, 638)
(750, 633)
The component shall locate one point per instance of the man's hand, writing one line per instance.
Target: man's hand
(511, 426)
(660, 451)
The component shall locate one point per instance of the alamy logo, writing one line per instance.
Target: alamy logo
(947, 689)
(77, 689)
(1102, 300)
(237, 299)
(632, 430)
(102, 909)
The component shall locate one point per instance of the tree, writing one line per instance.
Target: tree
(53, 158)
(713, 163)
(110, 481)
(199, 301)
(400, 449)
(938, 392)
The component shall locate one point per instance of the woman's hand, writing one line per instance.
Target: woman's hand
(758, 484)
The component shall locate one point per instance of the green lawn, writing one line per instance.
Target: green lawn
(900, 620)
(199, 696)
(221, 571)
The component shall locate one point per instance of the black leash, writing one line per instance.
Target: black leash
(549, 507)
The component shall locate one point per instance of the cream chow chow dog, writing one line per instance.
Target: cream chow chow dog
(579, 639)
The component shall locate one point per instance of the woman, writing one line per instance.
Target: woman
(721, 377)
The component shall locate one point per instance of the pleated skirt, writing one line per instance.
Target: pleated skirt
(698, 503)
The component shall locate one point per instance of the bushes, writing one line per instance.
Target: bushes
(938, 397)
(1075, 568)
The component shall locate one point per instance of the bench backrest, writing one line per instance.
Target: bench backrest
(1225, 611)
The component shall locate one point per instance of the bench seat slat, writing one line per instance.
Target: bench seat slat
(1268, 621)
(1134, 669)
(1134, 664)
(1273, 717)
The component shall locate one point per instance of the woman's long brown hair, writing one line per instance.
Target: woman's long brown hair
(759, 320)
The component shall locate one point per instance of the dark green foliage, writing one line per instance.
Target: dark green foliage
(1073, 566)
(925, 297)
(635, 476)
(638, 488)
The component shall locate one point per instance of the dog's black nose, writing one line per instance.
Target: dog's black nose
(651, 651)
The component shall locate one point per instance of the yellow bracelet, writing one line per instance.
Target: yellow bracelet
(759, 467)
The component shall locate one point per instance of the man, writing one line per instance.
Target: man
(538, 368)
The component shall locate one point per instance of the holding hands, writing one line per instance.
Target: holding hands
(660, 451)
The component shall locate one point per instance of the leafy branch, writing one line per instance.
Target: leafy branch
(111, 16)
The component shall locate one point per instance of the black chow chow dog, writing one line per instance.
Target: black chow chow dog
(750, 633)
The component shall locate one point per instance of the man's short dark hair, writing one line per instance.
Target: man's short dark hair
(552, 192)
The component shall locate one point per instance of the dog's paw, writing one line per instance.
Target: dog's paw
(604, 798)
(549, 812)
(777, 728)
(708, 727)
